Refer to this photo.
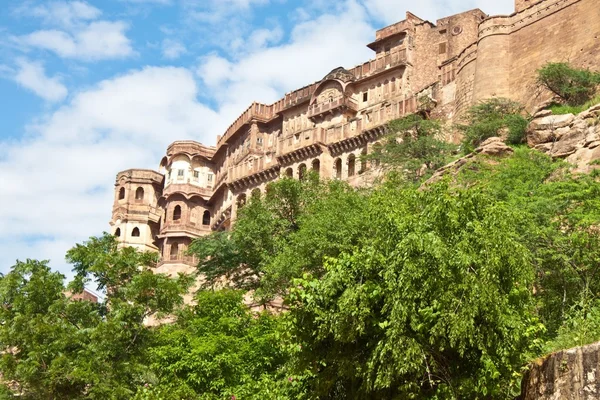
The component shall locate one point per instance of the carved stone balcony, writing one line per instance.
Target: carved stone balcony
(177, 228)
(187, 188)
(342, 103)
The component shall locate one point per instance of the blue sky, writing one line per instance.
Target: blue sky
(89, 88)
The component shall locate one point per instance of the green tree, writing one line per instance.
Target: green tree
(435, 302)
(216, 349)
(63, 349)
(414, 147)
(574, 86)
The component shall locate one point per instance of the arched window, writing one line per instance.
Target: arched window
(118, 232)
(139, 193)
(377, 149)
(206, 218)
(121, 193)
(241, 200)
(177, 213)
(174, 251)
(337, 168)
(351, 164)
(289, 173)
(135, 232)
(316, 166)
(363, 161)
(301, 171)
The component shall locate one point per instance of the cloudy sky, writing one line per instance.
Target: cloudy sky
(89, 88)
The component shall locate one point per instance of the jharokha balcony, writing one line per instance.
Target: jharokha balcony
(187, 188)
(341, 103)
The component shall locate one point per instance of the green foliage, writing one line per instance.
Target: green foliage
(282, 235)
(490, 118)
(435, 302)
(215, 350)
(394, 292)
(574, 86)
(559, 109)
(413, 147)
(77, 349)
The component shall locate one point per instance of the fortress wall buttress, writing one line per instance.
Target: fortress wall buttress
(465, 79)
(567, 31)
(512, 48)
(493, 69)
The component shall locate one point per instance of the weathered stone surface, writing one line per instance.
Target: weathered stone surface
(539, 137)
(577, 141)
(552, 122)
(572, 374)
(494, 146)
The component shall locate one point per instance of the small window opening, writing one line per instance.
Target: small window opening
(118, 232)
(135, 232)
(177, 213)
(139, 193)
(179, 172)
(365, 96)
(121, 193)
(442, 48)
(196, 175)
(206, 218)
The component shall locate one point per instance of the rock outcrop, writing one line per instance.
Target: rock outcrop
(575, 138)
(572, 374)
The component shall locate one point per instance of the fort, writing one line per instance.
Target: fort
(326, 126)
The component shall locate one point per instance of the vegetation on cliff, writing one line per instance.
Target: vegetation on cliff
(396, 291)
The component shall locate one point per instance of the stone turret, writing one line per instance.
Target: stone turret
(136, 216)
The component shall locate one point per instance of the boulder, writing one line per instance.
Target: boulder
(538, 137)
(552, 122)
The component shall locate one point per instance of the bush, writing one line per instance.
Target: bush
(572, 85)
(517, 126)
(489, 118)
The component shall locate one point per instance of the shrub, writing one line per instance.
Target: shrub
(489, 118)
(517, 127)
(572, 85)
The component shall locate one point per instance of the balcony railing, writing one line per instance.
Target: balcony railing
(340, 102)
(187, 188)
(185, 227)
(300, 140)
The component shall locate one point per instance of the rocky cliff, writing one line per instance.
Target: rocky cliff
(575, 138)
(572, 374)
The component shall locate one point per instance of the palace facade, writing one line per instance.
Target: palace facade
(326, 126)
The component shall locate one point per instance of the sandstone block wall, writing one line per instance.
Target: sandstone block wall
(511, 48)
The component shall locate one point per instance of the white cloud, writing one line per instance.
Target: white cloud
(31, 75)
(57, 182)
(316, 47)
(60, 13)
(98, 40)
(172, 49)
